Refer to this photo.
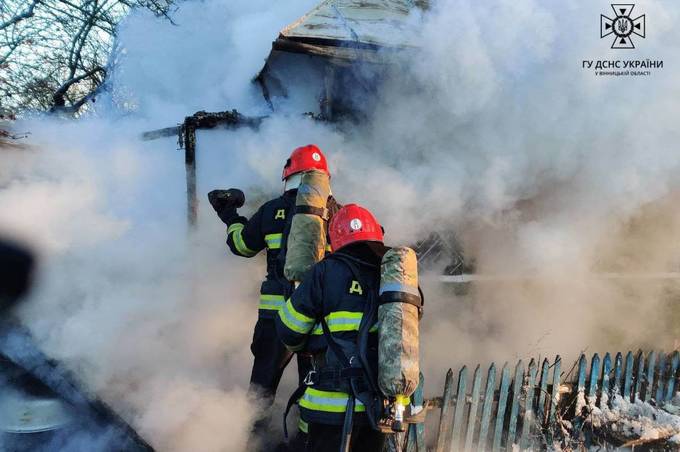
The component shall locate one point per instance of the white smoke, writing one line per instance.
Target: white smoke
(548, 174)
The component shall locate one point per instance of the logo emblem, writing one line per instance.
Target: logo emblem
(316, 157)
(356, 288)
(622, 26)
(355, 224)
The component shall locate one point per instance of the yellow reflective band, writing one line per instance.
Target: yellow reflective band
(294, 320)
(273, 241)
(234, 227)
(328, 401)
(237, 237)
(342, 321)
(272, 302)
(329, 249)
(303, 426)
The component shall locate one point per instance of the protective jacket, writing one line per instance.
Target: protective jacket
(268, 228)
(342, 290)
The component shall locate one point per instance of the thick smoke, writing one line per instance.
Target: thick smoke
(550, 176)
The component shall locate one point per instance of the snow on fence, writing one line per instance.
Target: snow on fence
(523, 407)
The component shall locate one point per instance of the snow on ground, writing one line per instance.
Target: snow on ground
(636, 420)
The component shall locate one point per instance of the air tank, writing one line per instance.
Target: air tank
(307, 237)
(398, 334)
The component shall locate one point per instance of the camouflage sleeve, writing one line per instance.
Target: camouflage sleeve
(332, 206)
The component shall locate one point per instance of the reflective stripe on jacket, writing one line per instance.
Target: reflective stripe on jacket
(265, 230)
(329, 291)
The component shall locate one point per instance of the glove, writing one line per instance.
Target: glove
(225, 203)
(221, 199)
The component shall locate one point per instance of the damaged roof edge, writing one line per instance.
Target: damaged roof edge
(358, 23)
(335, 51)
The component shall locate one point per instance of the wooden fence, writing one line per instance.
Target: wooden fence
(520, 406)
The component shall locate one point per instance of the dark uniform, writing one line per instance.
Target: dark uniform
(339, 293)
(246, 238)
(268, 228)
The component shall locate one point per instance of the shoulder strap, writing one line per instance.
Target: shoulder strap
(370, 312)
(337, 350)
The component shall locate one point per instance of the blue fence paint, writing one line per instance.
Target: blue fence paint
(670, 382)
(542, 392)
(528, 419)
(514, 407)
(580, 393)
(530, 398)
(486, 408)
(416, 432)
(639, 374)
(649, 379)
(618, 370)
(502, 402)
(594, 375)
(445, 413)
(606, 376)
(461, 395)
(554, 400)
(474, 403)
(628, 376)
(660, 380)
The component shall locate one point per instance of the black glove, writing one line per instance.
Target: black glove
(16, 268)
(225, 203)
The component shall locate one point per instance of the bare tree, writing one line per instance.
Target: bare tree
(54, 54)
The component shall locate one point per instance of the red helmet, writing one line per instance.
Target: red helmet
(352, 224)
(305, 158)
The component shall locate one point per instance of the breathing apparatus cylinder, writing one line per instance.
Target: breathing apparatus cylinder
(398, 316)
(307, 237)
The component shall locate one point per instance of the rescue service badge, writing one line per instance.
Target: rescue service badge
(622, 26)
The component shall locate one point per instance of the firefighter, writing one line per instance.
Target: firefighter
(268, 228)
(326, 315)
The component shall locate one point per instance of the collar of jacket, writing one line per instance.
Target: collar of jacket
(365, 253)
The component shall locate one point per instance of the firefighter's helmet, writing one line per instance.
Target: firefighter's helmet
(305, 158)
(351, 224)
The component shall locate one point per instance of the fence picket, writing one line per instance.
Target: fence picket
(502, 403)
(543, 389)
(459, 411)
(554, 398)
(606, 370)
(486, 408)
(661, 370)
(528, 419)
(514, 407)
(618, 369)
(639, 375)
(580, 393)
(628, 377)
(594, 376)
(472, 416)
(416, 432)
(447, 403)
(649, 379)
(527, 403)
(670, 381)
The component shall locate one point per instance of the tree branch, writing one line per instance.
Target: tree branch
(19, 17)
(60, 93)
